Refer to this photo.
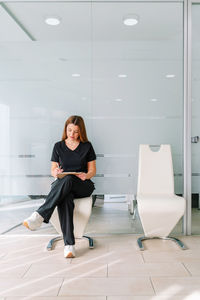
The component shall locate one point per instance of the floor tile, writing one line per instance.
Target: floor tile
(171, 256)
(67, 270)
(128, 242)
(191, 242)
(33, 287)
(2, 254)
(147, 269)
(57, 298)
(176, 285)
(24, 241)
(193, 268)
(156, 297)
(13, 271)
(13, 250)
(80, 251)
(106, 286)
(110, 256)
(37, 257)
(25, 250)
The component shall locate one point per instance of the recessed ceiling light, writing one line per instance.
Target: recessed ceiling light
(154, 100)
(76, 75)
(118, 100)
(170, 76)
(131, 20)
(122, 75)
(53, 21)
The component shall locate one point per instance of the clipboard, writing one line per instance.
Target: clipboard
(63, 174)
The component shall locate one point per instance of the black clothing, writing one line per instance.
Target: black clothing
(64, 190)
(62, 194)
(73, 160)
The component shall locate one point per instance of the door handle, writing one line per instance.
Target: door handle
(195, 139)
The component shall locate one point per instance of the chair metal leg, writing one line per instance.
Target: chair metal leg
(52, 242)
(94, 198)
(58, 238)
(135, 209)
(91, 242)
(139, 241)
(177, 241)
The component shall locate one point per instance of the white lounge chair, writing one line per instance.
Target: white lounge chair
(159, 208)
(82, 212)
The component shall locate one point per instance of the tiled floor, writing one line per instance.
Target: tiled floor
(114, 270)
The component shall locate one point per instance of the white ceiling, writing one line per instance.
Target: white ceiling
(96, 21)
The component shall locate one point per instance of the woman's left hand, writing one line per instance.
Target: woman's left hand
(82, 176)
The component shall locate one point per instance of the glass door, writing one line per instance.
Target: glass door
(137, 98)
(195, 103)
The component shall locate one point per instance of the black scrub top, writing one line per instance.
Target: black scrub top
(73, 160)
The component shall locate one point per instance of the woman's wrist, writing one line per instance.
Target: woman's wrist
(89, 175)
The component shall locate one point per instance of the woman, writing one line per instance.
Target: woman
(74, 153)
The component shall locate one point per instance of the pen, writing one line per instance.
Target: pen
(59, 166)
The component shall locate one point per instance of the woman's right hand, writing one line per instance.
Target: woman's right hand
(55, 170)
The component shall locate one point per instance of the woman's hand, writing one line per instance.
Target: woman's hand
(82, 176)
(91, 165)
(55, 170)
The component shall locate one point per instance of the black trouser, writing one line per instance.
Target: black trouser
(62, 194)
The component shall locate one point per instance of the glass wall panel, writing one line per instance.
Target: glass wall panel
(137, 89)
(195, 118)
(38, 92)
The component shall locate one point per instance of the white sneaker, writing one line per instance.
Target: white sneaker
(34, 221)
(69, 251)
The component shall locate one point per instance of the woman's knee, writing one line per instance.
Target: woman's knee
(68, 178)
(67, 183)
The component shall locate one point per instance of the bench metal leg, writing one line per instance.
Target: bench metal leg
(177, 241)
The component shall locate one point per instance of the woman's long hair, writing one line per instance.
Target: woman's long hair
(76, 120)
